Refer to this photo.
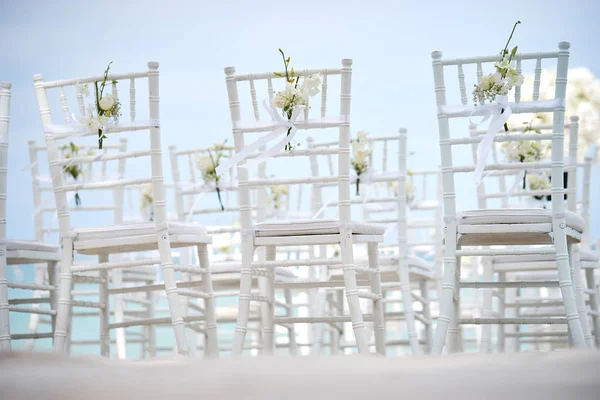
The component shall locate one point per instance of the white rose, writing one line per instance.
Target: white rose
(107, 102)
(204, 163)
(279, 101)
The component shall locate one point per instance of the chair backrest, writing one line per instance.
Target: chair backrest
(454, 110)
(584, 209)
(326, 120)
(44, 204)
(193, 197)
(514, 190)
(70, 131)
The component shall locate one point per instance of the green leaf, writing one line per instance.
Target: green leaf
(292, 71)
(514, 51)
(288, 60)
(278, 74)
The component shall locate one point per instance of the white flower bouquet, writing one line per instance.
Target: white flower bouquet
(538, 182)
(105, 106)
(294, 95)
(73, 170)
(502, 81)
(147, 202)
(207, 165)
(409, 187)
(278, 193)
(360, 156)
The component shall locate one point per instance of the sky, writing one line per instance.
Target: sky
(389, 41)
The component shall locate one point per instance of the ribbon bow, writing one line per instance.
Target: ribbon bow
(499, 112)
(282, 127)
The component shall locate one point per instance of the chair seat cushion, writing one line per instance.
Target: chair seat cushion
(229, 267)
(583, 256)
(30, 245)
(140, 229)
(516, 216)
(314, 227)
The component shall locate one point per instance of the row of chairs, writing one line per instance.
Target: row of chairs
(345, 256)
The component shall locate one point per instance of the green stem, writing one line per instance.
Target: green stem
(357, 186)
(510, 37)
(287, 76)
(77, 199)
(220, 201)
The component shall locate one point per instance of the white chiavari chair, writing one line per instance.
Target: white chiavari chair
(101, 241)
(18, 252)
(556, 228)
(45, 217)
(382, 207)
(197, 201)
(341, 231)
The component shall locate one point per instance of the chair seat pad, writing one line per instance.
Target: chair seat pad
(313, 227)
(30, 245)
(236, 267)
(140, 229)
(583, 256)
(516, 216)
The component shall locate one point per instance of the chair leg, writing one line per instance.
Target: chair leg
(447, 292)
(591, 285)
(241, 325)
(173, 300)
(486, 312)
(34, 319)
(268, 307)
(119, 310)
(289, 300)
(502, 300)
(104, 312)
(566, 287)
(151, 329)
(351, 287)
(454, 332)
(579, 295)
(424, 289)
(5, 345)
(63, 315)
(53, 280)
(212, 344)
(375, 281)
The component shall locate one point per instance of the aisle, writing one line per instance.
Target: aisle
(509, 376)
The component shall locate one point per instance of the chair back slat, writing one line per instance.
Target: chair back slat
(117, 161)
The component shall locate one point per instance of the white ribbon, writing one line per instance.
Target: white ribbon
(499, 118)
(494, 111)
(85, 130)
(282, 127)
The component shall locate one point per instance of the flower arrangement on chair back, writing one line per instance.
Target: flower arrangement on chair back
(293, 96)
(105, 106)
(147, 202)
(360, 156)
(409, 188)
(207, 165)
(277, 194)
(502, 81)
(73, 170)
